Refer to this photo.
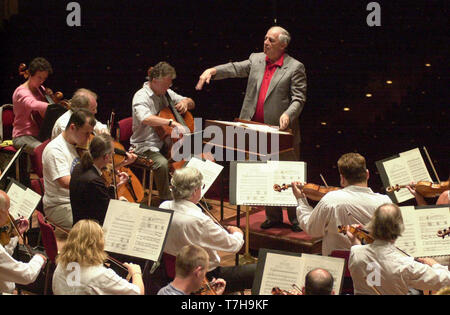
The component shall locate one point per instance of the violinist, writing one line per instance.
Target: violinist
(28, 98)
(11, 270)
(147, 103)
(191, 266)
(80, 269)
(318, 282)
(82, 98)
(89, 195)
(58, 159)
(191, 226)
(396, 272)
(354, 204)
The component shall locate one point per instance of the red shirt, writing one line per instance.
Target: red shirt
(268, 74)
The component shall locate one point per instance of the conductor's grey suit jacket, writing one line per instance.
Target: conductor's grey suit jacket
(286, 93)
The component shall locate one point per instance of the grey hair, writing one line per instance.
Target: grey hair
(184, 182)
(387, 222)
(284, 36)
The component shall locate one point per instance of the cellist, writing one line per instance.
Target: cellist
(147, 103)
(89, 194)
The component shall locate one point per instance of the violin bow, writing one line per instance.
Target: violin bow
(211, 215)
(432, 165)
(323, 180)
(111, 123)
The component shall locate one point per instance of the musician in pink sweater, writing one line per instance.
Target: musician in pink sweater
(27, 98)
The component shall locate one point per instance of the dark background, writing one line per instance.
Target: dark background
(344, 58)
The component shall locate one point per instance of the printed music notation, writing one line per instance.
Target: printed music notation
(419, 238)
(135, 231)
(254, 182)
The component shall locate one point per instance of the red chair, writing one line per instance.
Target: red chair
(6, 123)
(50, 246)
(38, 186)
(169, 265)
(48, 237)
(36, 159)
(124, 132)
(347, 285)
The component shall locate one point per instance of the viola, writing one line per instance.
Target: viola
(312, 191)
(443, 233)
(424, 188)
(361, 234)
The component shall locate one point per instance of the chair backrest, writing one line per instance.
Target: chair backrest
(347, 287)
(6, 122)
(38, 186)
(36, 159)
(48, 237)
(169, 264)
(125, 131)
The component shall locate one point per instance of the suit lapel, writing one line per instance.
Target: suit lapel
(260, 75)
(279, 73)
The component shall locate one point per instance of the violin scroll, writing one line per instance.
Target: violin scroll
(443, 233)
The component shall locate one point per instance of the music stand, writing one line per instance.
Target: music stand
(245, 127)
(8, 168)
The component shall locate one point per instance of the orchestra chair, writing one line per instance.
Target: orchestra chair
(50, 246)
(169, 265)
(36, 159)
(347, 283)
(6, 128)
(124, 132)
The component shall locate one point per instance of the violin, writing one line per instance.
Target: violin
(278, 291)
(6, 232)
(424, 188)
(443, 233)
(361, 234)
(312, 191)
(207, 288)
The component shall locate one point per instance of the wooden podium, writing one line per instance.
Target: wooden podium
(250, 140)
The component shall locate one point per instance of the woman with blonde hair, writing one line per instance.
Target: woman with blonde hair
(80, 269)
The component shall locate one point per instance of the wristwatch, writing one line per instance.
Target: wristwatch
(170, 122)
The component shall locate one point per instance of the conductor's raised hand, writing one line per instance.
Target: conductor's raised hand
(205, 77)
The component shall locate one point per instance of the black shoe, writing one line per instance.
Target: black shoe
(268, 224)
(296, 228)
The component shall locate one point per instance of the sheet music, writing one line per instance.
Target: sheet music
(255, 182)
(407, 241)
(22, 201)
(256, 127)
(416, 165)
(135, 231)
(421, 226)
(334, 265)
(209, 170)
(280, 271)
(398, 173)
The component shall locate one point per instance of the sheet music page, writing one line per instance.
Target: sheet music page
(22, 202)
(409, 241)
(397, 172)
(280, 271)
(334, 265)
(430, 221)
(135, 231)
(416, 165)
(285, 172)
(252, 180)
(209, 170)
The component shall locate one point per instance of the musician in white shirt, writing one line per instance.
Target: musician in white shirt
(355, 203)
(381, 265)
(11, 270)
(191, 226)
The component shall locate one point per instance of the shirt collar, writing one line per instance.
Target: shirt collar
(98, 170)
(277, 63)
